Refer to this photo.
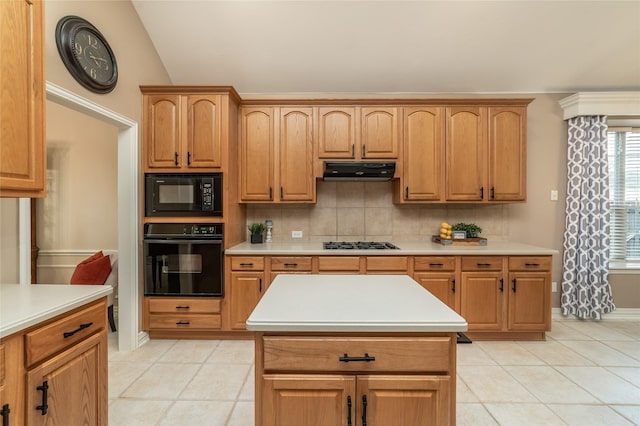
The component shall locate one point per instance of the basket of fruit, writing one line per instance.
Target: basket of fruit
(459, 234)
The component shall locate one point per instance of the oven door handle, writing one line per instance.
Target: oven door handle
(183, 241)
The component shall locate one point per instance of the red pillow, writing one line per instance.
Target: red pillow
(93, 270)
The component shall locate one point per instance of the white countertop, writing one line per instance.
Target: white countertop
(351, 303)
(406, 248)
(22, 306)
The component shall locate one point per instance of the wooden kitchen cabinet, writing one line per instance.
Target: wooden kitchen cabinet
(423, 154)
(529, 293)
(163, 314)
(379, 132)
(438, 274)
(247, 285)
(465, 146)
(11, 380)
(507, 154)
(22, 100)
(182, 132)
(337, 132)
(276, 139)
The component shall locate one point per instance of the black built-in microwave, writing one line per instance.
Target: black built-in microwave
(175, 194)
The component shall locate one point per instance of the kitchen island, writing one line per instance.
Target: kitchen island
(351, 349)
(53, 354)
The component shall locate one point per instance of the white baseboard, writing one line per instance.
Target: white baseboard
(620, 314)
(143, 337)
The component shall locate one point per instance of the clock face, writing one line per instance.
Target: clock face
(86, 54)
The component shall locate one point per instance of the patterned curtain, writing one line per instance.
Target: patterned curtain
(585, 278)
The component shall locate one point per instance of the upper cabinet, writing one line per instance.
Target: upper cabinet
(357, 133)
(22, 99)
(507, 154)
(183, 132)
(276, 154)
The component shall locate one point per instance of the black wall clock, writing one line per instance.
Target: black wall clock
(86, 54)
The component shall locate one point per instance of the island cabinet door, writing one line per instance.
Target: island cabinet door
(404, 400)
(300, 400)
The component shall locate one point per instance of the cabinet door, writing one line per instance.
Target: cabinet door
(245, 291)
(529, 301)
(465, 146)
(256, 154)
(440, 284)
(299, 400)
(12, 380)
(22, 99)
(379, 133)
(297, 181)
(336, 132)
(481, 300)
(507, 154)
(76, 385)
(423, 144)
(163, 129)
(204, 126)
(404, 400)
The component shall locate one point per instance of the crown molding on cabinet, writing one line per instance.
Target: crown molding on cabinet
(601, 103)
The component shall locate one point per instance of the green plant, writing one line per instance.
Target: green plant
(256, 228)
(471, 228)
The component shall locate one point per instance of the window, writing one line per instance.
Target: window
(624, 179)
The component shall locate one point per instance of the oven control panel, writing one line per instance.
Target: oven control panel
(183, 230)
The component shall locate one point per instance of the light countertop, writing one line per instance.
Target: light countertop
(351, 303)
(406, 248)
(22, 306)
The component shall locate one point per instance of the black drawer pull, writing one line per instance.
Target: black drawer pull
(45, 392)
(249, 264)
(175, 158)
(502, 284)
(453, 286)
(349, 405)
(514, 285)
(436, 265)
(483, 265)
(364, 410)
(183, 307)
(188, 158)
(82, 327)
(365, 358)
(5, 414)
(531, 265)
(290, 265)
(183, 323)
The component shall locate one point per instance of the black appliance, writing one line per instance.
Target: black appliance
(183, 259)
(358, 245)
(175, 194)
(358, 171)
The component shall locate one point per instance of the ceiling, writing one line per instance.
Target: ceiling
(397, 47)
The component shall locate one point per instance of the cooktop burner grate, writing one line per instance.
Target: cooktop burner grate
(358, 245)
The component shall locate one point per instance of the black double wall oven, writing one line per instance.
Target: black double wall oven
(184, 259)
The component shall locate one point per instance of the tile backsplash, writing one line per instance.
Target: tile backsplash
(365, 211)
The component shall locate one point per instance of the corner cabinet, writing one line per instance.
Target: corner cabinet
(22, 101)
(276, 154)
(182, 132)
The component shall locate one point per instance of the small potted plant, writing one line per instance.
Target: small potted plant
(471, 229)
(256, 230)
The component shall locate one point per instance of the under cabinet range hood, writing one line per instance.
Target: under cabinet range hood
(358, 171)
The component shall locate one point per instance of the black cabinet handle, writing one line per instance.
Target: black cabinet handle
(250, 264)
(364, 150)
(436, 265)
(183, 307)
(349, 405)
(183, 323)
(290, 265)
(365, 358)
(502, 284)
(493, 193)
(453, 286)
(482, 192)
(281, 192)
(82, 327)
(353, 149)
(483, 265)
(5, 414)
(514, 285)
(406, 192)
(270, 193)
(175, 157)
(364, 410)
(531, 265)
(188, 158)
(45, 392)
(260, 279)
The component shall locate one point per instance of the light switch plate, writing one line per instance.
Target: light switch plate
(554, 287)
(554, 195)
(296, 234)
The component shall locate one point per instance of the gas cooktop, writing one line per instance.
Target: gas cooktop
(358, 245)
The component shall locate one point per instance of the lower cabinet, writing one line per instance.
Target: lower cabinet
(291, 399)
(11, 380)
(246, 290)
(162, 314)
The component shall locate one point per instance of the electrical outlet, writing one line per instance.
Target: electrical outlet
(554, 195)
(296, 234)
(554, 287)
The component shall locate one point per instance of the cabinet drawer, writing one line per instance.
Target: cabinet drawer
(253, 263)
(529, 263)
(482, 263)
(180, 322)
(184, 306)
(410, 354)
(66, 331)
(339, 263)
(290, 263)
(435, 263)
(387, 263)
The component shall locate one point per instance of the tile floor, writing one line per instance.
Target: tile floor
(586, 373)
